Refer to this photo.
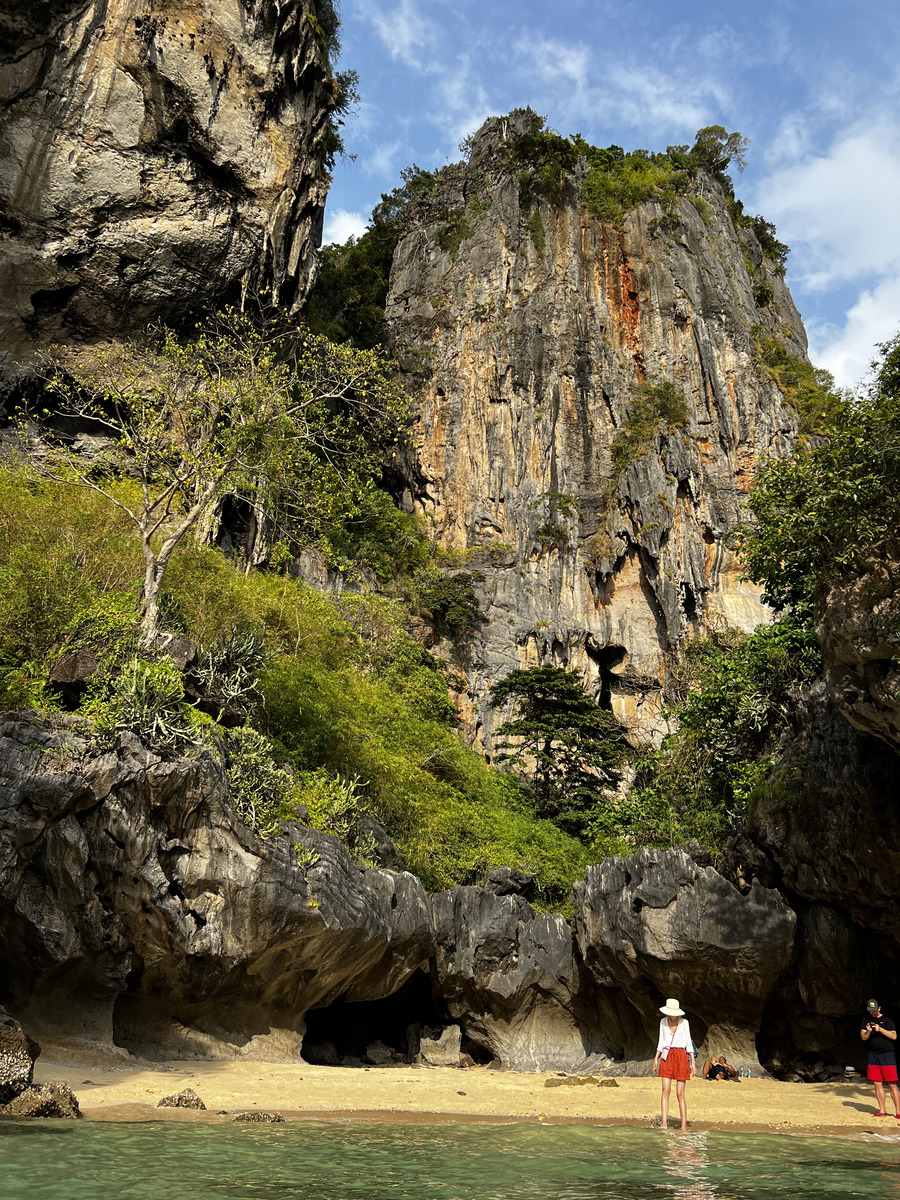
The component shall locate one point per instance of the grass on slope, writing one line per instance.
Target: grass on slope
(344, 692)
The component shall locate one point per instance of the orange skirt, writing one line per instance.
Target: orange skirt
(676, 1065)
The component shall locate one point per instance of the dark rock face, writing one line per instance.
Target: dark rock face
(139, 911)
(857, 618)
(509, 976)
(832, 826)
(530, 331)
(657, 925)
(153, 154)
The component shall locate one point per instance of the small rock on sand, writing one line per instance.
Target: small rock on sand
(187, 1098)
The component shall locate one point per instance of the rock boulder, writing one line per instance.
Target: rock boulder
(656, 924)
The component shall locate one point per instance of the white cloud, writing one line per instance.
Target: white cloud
(839, 210)
(643, 97)
(463, 104)
(553, 60)
(407, 34)
(341, 224)
(848, 353)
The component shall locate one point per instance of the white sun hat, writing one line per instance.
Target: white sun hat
(671, 1008)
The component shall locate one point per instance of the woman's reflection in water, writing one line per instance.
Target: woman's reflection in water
(687, 1162)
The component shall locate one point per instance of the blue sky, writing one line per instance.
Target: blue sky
(814, 85)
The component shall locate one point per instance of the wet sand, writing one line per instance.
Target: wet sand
(131, 1090)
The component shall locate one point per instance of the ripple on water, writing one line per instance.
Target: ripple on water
(319, 1161)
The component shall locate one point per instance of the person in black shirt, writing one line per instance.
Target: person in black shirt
(881, 1035)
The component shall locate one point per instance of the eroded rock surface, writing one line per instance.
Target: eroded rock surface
(509, 975)
(857, 620)
(140, 911)
(530, 327)
(656, 924)
(48, 1100)
(153, 154)
(17, 1058)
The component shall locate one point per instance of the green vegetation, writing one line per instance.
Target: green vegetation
(570, 748)
(347, 302)
(343, 695)
(245, 406)
(652, 406)
(807, 389)
(730, 705)
(453, 233)
(835, 501)
(616, 182)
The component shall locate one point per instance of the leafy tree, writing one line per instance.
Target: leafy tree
(570, 745)
(250, 406)
(715, 149)
(347, 302)
(835, 500)
(730, 698)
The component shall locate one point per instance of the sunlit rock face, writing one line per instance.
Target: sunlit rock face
(530, 345)
(153, 155)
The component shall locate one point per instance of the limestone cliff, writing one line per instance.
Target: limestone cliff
(141, 913)
(530, 326)
(154, 154)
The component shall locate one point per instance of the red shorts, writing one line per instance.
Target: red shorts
(882, 1071)
(676, 1065)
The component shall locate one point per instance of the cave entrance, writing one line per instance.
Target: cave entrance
(341, 1034)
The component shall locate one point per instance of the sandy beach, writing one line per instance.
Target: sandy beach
(130, 1091)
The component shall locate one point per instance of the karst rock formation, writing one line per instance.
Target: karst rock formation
(154, 156)
(529, 338)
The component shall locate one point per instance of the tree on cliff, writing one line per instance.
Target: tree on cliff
(244, 406)
(835, 501)
(567, 743)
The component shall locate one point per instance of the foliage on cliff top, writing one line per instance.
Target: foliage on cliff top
(616, 181)
(835, 501)
(344, 689)
(809, 390)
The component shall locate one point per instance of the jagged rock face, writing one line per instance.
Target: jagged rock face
(153, 154)
(139, 911)
(857, 618)
(530, 359)
(657, 924)
(509, 975)
(831, 819)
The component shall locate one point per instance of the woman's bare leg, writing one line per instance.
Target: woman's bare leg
(682, 1102)
(664, 1103)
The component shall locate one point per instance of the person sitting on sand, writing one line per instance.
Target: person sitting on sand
(675, 1059)
(718, 1068)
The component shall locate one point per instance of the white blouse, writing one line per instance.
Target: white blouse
(680, 1037)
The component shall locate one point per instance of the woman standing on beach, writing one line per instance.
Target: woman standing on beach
(675, 1059)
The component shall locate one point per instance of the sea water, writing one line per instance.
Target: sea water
(56, 1160)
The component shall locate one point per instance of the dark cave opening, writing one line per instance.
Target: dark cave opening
(340, 1034)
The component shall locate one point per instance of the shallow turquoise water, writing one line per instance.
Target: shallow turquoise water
(348, 1161)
